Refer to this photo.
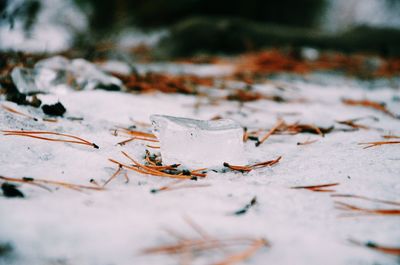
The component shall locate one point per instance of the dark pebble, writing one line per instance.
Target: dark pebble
(54, 110)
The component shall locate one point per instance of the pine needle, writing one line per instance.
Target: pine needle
(317, 188)
(50, 182)
(387, 250)
(270, 132)
(379, 143)
(33, 134)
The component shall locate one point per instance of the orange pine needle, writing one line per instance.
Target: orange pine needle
(147, 172)
(369, 104)
(317, 188)
(270, 132)
(33, 134)
(175, 187)
(383, 249)
(138, 133)
(18, 112)
(307, 142)
(249, 168)
(365, 198)
(379, 143)
(51, 182)
(243, 255)
(113, 175)
(137, 138)
(350, 207)
(152, 146)
(391, 137)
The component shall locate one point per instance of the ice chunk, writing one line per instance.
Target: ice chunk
(54, 63)
(199, 143)
(33, 80)
(89, 76)
(79, 73)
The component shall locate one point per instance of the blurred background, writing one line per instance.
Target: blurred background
(187, 27)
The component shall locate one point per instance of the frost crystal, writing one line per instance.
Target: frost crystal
(199, 143)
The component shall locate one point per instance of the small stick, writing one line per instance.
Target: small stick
(270, 132)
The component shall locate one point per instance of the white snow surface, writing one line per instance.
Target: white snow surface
(115, 225)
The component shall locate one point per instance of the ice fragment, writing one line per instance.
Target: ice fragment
(199, 143)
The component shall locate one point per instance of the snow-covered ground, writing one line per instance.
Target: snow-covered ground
(113, 226)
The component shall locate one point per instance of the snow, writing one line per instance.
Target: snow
(113, 226)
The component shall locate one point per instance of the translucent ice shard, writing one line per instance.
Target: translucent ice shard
(32, 80)
(79, 73)
(89, 76)
(199, 143)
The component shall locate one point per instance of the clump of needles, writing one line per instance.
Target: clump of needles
(234, 250)
(154, 169)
